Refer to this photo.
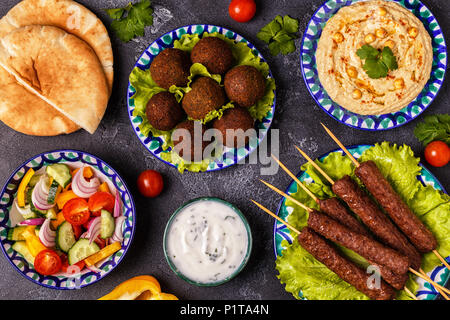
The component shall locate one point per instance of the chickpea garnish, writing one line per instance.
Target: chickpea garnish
(369, 38)
(389, 44)
(399, 83)
(338, 37)
(413, 32)
(356, 94)
(382, 11)
(352, 72)
(381, 33)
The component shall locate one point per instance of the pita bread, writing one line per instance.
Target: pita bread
(60, 69)
(69, 16)
(25, 112)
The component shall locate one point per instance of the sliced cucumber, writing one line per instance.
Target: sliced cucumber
(60, 173)
(107, 225)
(21, 247)
(34, 180)
(15, 234)
(81, 250)
(51, 214)
(52, 192)
(65, 237)
(27, 213)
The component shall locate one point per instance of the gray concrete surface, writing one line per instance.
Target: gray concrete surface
(297, 117)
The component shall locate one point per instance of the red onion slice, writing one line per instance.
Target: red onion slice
(93, 229)
(39, 196)
(83, 188)
(117, 205)
(118, 231)
(47, 235)
(32, 222)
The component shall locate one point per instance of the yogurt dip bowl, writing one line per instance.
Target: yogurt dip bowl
(207, 241)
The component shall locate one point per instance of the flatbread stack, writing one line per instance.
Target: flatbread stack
(56, 68)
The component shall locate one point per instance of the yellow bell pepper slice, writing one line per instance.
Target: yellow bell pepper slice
(103, 254)
(22, 187)
(33, 243)
(104, 187)
(139, 288)
(63, 197)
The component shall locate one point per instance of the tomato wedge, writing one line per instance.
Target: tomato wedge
(47, 262)
(101, 200)
(76, 211)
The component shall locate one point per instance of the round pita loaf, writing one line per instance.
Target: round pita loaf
(25, 112)
(58, 68)
(69, 16)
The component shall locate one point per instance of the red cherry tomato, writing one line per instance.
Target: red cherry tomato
(77, 231)
(437, 153)
(100, 242)
(242, 10)
(101, 200)
(47, 262)
(150, 183)
(76, 211)
(73, 269)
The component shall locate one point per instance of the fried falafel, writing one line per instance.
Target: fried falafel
(163, 111)
(214, 53)
(171, 67)
(233, 126)
(244, 85)
(205, 95)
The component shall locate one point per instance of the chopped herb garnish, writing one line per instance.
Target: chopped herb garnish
(279, 34)
(377, 63)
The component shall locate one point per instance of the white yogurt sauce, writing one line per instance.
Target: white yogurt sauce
(207, 241)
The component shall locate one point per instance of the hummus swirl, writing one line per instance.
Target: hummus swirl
(379, 24)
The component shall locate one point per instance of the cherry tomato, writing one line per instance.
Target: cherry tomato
(47, 262)
(73, 269)
(76, 211)
(101, 200)
(150, 183)
(100, 242)
(437, 153)
(242, 10)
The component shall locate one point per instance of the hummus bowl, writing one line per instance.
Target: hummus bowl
(380, 105)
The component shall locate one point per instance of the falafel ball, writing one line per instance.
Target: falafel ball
(205, 95)
(244, 85)
(171, 67)
(234, 119)
(194, 151)
(214, 53)
(163, 111)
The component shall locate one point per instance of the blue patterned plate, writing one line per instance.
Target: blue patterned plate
(75, 159)
(153, 144)
(439, 274)
(366, 122)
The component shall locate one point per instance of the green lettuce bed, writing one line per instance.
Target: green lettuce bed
(298, 270)
(145, 88)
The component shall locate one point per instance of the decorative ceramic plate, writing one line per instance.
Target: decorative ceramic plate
(153, 144)
(105, 173)
(439, 274)
(367, 122)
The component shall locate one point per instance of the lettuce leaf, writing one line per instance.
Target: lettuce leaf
(401, 168)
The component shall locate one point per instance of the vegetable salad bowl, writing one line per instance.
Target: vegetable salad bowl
(106, 173)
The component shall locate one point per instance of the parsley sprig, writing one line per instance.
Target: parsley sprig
(433, 127)
(279, 34)
(377, 63)
(130, 21)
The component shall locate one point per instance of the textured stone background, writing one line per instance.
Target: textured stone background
(297, 117)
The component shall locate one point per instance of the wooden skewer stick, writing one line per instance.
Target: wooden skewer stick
(356, 163)
(412, 295)
(276, 217)
(286, 196)
(315, 165)
(428, 279)
(312, 195)
(437, 285)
